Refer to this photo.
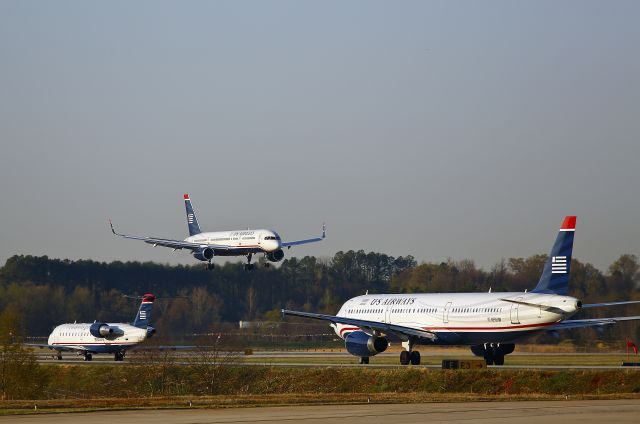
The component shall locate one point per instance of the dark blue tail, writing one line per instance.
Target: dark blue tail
(555, 276)
(192, 222)
(144, 313)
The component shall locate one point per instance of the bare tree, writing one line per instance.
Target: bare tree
(211, 360)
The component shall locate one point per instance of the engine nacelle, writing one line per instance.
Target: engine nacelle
(101, 330)
(204, 254)
(359, 343)
(151, 330)
(275, 256)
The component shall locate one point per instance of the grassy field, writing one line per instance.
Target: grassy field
(81, 388)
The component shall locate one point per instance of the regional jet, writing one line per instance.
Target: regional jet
(101, 337)
(204, 246)
(490, 323)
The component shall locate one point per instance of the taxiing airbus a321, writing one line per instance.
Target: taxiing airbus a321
(490, 323)
(204, 246)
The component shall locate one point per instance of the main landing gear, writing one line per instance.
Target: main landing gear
(493, 353)
(88, 356)
(210, 266)
(249, 266)
(363, 360)
(58, 357)
(118, 356)
(409, 356)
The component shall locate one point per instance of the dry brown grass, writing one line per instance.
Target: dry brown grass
(240, 401)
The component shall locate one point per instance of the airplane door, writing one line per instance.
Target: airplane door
(387, 314)
(515, 319)
(445, 313)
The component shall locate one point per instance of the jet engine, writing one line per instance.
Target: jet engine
(275, 256)
(204, 254)
(359, 343)
(102, 330)
(151, 330)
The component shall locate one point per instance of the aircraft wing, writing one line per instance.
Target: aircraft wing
(382, 327)
(61, 348)
(142, 347)
(288, 244)
(173, 244)
(590, 322)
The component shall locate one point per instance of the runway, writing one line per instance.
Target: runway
(529, 412)
(305, 359)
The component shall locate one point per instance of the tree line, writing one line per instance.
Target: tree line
(40, 292)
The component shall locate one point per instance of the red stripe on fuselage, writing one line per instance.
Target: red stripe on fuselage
(543, 324)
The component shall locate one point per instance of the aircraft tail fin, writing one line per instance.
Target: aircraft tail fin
(555, 276)
(192, 222)
(144, 313)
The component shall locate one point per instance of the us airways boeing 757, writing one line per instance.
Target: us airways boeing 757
(490, 323)
(204, 246)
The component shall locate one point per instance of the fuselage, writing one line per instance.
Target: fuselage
(462, 318)
(238, 242)
(79, 337)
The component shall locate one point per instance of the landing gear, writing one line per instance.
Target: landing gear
(266, 265)
(363, 360)
(249, 266)
(118, 356)
(409, 356)
(493, 353)
(210, 266)
(88, 356)
(58, 357)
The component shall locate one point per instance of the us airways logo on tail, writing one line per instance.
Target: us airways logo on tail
(559, 265)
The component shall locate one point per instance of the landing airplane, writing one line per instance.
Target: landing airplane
(489, 323)
(204, 246)
(101, 337)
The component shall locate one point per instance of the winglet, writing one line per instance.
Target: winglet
(324, 230)
(186, 196)
(112, 230)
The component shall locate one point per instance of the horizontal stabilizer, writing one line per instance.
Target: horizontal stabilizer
(598, 305)
(589, 322)
(547, 308)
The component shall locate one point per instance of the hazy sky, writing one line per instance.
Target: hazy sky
(436, 129)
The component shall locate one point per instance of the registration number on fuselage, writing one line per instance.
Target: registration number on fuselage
(494, 319)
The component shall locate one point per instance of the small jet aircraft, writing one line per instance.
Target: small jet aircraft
(204, 246)
(489, 323)
(100, 337)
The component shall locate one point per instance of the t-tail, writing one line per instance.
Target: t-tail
(192, 222)
(555, 276)
(144, 313)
